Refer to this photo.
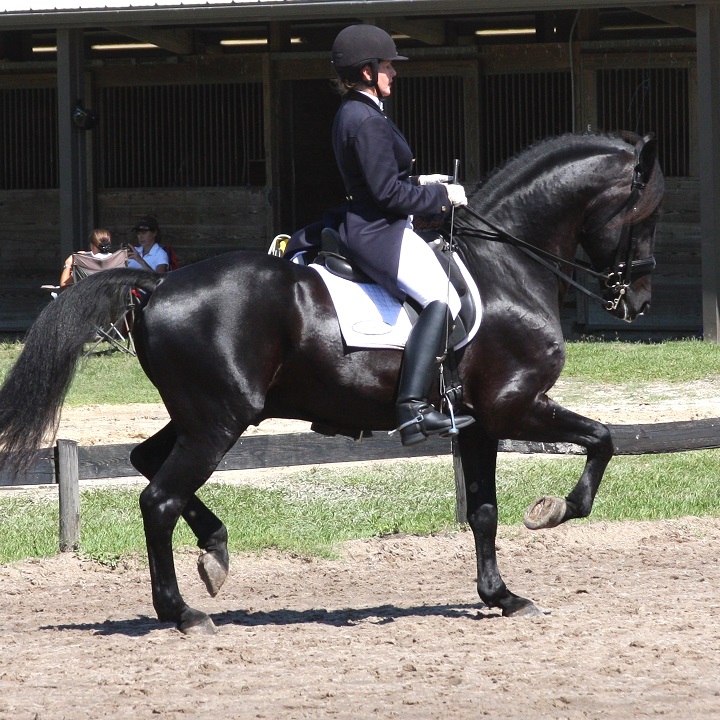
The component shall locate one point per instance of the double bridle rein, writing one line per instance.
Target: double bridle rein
(616, 279)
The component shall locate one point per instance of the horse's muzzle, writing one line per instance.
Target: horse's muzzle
(633, 303)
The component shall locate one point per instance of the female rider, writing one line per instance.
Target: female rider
(375, 161)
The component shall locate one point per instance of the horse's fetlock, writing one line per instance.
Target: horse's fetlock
(485, 518)
(215, 541)
(493, 596)
(575, 510)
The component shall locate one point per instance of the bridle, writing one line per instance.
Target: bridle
(626, 270)
(616, 279)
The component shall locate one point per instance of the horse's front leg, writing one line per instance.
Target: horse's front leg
(551, 422)
(478, 454)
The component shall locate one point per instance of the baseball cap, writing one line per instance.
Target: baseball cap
(146, 223)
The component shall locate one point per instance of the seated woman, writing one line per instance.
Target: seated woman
(148, 254)
(100, 241)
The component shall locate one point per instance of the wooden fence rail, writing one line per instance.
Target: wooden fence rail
(66, 464)
(286, 450)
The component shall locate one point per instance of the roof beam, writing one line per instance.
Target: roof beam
(179, 42)
(431, 32)
(682, 17)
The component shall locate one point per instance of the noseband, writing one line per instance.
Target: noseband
(625, 272)
(616, 279)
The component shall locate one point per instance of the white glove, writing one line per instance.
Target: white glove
(432, 179)
(456, 195)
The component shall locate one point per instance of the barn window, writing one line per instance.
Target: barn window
(28, 139)
(519, 109)
(431, 113)
(172, 136)
(649, 100)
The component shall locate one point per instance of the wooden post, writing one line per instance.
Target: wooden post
(69, 494)
(72, 161)
(708, 69)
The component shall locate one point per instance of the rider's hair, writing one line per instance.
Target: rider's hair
(351, 78)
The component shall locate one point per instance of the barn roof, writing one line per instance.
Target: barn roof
(33, 13)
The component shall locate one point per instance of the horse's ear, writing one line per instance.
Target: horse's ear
(646, 150)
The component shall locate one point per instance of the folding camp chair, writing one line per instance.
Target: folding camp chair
(117, 330)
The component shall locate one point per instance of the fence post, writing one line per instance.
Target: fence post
(68, 477)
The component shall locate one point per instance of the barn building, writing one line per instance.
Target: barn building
(215, 117)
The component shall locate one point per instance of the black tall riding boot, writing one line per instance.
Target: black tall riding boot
(416, 417)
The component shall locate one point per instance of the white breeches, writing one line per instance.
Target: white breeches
(420, 275)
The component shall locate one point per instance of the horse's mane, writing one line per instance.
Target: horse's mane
(554, 149)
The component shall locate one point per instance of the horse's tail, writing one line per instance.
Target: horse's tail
(31, 397)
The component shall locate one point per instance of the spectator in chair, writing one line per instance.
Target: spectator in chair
(148, 254)
(99, 241)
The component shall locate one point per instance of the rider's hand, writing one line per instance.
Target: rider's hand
(456, 195)
(432, 179)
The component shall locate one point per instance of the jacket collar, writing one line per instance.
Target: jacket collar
(362, 97)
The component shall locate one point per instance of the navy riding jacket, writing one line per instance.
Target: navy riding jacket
(375, 162)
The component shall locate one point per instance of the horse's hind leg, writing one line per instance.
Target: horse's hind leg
(190, 463)
(214, 563)
(478, 454)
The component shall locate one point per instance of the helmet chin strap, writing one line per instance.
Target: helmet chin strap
(373, 83)
(376, 83)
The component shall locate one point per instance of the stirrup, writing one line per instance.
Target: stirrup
(457, 424)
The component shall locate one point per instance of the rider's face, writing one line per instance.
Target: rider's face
(386, 73)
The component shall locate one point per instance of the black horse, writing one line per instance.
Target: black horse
(245, 336)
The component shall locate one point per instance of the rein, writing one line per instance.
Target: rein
(616, 279)
(536, 254)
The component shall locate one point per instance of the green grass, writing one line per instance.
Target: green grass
(103, 378)
(673, 361)
(116, 378)
(314, 510)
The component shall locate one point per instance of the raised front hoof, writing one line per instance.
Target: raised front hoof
(194, 622)
(213, 570)
(545, 512)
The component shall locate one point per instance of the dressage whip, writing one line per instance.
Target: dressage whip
(443, 389)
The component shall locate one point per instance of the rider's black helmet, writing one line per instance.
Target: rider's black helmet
(359, 45)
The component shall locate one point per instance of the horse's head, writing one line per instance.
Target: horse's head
(619, 232)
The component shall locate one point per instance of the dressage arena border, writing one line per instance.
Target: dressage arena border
(65, 464)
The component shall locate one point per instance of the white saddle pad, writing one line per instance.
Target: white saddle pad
(370, 317)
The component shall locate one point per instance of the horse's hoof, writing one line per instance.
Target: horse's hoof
(213, 572)
(197, 623)
(545, 512)
(527, 609)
